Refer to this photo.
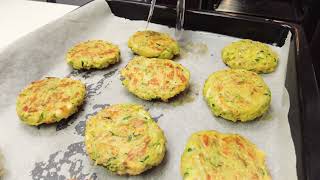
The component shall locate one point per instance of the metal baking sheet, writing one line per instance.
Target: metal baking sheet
(57, 151)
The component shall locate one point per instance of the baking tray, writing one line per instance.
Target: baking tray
(301, 82)
(52, 152)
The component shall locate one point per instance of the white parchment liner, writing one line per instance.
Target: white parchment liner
(57, 151)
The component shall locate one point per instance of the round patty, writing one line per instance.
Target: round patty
(212, 155)
(250, 55)
(237, 94)
(153, 44)
(125, 139)
(96, 54)
(155, 78)
(50, 100)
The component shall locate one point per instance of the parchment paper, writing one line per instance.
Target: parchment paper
(57, 151)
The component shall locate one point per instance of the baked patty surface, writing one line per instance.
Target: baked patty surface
(153, 45)
(50, 100)
(96, 54)
(237, 94)
(151, 78)
(250, 55)
(212, 155)
(125, 139)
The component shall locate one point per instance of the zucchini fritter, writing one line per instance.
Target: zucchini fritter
(50, 100)
(95, 54)
(237, 94)
(125, 139)
(153, 45)
(212, 155)
(250, 55)
(150, 78)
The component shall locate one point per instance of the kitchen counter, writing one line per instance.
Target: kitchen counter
(20, 17)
